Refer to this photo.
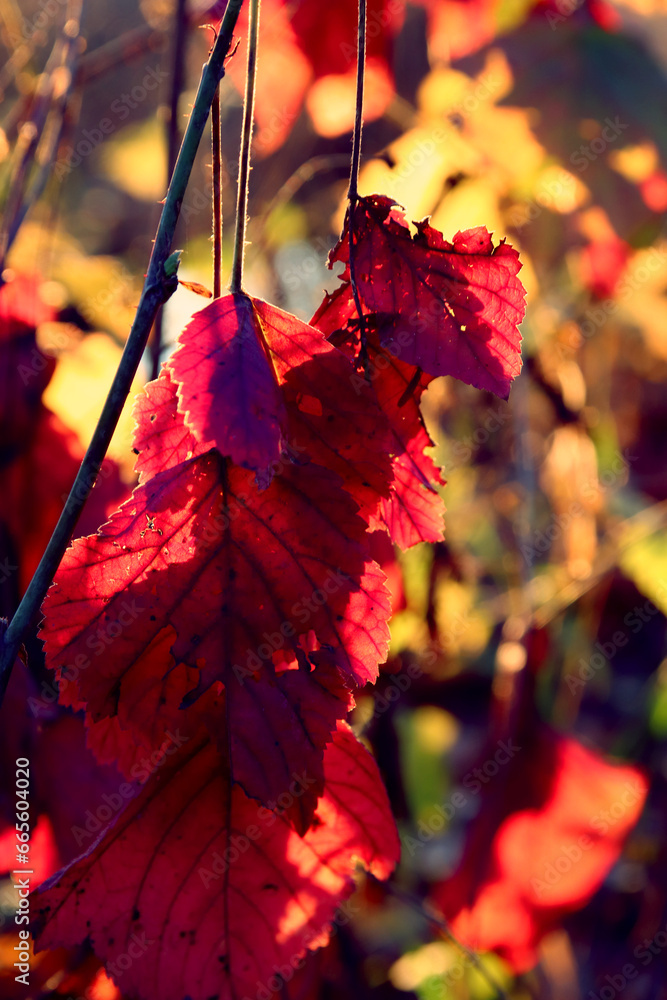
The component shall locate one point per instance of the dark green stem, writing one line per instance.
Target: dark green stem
(157, 289)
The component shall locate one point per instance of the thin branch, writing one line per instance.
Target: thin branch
(244, 169)
(216, 164)
(353, 193)
(157, 289)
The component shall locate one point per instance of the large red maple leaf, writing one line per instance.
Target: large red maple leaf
(217, 896)
(201, 580)
(448, 308)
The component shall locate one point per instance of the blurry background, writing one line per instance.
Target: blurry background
(528, 648)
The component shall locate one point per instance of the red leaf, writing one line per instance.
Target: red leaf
(334, 418)
(44, 859)
(310, 53)
(603, 262)
(66, 782)
(216, 894)
(550, 855)
(34, 488)
(217, 583)
(448, 308)
(21, 307)
(456, 28)
(282, 76)
(413, 512)
(161, 439)
(297, 395)
(24, 370)
(39, 456)
(327, 35)
(384, 554)
(226, 385)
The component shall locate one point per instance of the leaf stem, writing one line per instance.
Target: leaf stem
(157, 289)
(180, 25)
(217, 195)
(353, 193)
(244, 168)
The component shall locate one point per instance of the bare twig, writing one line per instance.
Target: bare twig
(353, 193)
(216, 166)
(244, 169)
